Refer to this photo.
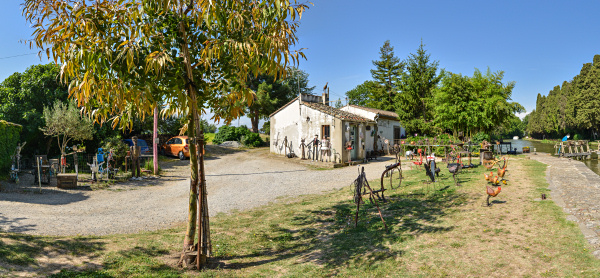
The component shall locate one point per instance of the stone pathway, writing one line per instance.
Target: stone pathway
(576, 189)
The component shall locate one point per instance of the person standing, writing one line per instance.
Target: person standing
(136, 152)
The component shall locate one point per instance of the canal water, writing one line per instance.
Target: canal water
(549, 148)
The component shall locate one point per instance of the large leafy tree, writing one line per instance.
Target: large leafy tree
(121, 57)
(414, 105)
(23, 97)
(387, 73)
(269, 94)
(366, 94)
(454, 109)
(297, 80)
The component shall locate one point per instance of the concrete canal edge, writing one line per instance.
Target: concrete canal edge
(576, 189)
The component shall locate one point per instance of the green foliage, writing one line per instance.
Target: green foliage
(577, 136)
(252, 140)
(230, 133)
(480, 103)
(23, 97)
(387, 74)
(9, 137)
(64, 122)
(569, 108)
(266, 128)
(149, 165)
(414, 105)
(479, 137)
(270, 94)
(366, 94)
(118, 146)
(297, 81)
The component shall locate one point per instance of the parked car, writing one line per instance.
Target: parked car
(142, 143)
(177, 146)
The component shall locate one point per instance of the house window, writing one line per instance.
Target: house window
(325, 132)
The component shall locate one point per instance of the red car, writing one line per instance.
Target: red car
(177, 146)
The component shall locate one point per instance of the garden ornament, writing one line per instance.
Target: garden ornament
(302, 146)
(136, 152)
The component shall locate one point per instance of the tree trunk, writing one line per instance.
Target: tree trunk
(188, 256)
(254, 119)
(154, 137)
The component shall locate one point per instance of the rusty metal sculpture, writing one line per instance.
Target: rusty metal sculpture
(302, 146)
(360, 188)
(393, 171)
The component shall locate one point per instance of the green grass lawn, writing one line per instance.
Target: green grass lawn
(433, 231)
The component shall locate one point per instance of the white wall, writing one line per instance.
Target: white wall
(285, 123)
(292, 122)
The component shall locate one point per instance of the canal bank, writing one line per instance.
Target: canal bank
(576, 189)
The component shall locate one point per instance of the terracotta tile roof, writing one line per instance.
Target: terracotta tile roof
(378, 111)
(340, 114)
(281, 108)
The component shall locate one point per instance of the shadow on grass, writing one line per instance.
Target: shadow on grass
(22, 250)
(328, 236)
(136, 261)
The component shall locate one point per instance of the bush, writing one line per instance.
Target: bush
(9, 137)
(230, 133)
(119, 149)
(577, 136)
(479, 137)
(252, 140)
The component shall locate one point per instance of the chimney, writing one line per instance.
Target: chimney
(326, 96)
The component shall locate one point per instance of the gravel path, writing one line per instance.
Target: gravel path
(237, 181)
(576, 189)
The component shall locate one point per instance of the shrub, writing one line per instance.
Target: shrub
(252, 140)
(479, 137)
(119, 149)
(230, 133)
(9, 137)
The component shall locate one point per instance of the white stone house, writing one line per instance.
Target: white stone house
(387, 126)
(308, 115)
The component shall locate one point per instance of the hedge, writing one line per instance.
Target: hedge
(9, 137)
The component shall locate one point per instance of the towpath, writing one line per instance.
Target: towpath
(576, 189)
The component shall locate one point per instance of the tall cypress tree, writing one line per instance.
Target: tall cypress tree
(387, 73)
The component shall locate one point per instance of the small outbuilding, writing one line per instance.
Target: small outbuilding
(387, 126)
(350, 131)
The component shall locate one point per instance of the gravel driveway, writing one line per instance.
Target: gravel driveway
(241, 180)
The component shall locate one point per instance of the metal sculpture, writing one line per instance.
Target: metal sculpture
(302, 146)
(95, 167)
(360, 188)
(136, 152)
(325, 149)
(15, 168)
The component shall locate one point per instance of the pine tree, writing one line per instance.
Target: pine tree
(387, 73)
(414, 105)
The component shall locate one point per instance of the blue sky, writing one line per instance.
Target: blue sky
(538, 44)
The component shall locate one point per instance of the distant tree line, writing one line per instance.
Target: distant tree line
(573, 107)
(430, 100)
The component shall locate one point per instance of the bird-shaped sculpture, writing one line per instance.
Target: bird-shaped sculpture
(454, 168)
(487, 177)
(420, 162)
(502, 171)
(325, 87)
(492, 193)
(494, 180)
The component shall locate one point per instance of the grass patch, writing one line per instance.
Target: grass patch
(434, 230)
